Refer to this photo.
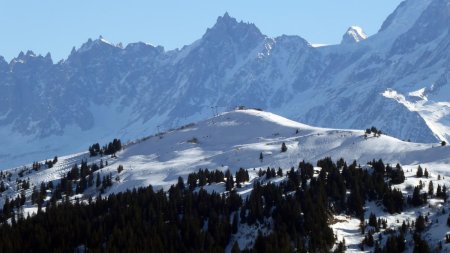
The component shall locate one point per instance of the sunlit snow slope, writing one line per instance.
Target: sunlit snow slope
(236, 139)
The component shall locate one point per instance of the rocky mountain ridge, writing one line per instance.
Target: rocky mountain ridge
(102, 91)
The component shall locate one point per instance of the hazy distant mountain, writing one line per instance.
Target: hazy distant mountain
(396, 80)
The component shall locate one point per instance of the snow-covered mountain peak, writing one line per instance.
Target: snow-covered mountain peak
(101, 39)
(97, 44)
(292, 39)
(30, 53)
(229, 26)
(354, 34)
(141, 49)
(31, 57)
(24, 56)
(224, 23)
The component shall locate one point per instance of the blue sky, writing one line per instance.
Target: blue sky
(56, 26)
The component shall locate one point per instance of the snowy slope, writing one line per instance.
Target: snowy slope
(235, 139)
(435, 114)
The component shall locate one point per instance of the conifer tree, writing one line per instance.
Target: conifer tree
(420, 223)
(2, 187)
(283, 147)
(235, 224)
(420, 245)
(430, 188)
(419, 172)
(444, 193)
(397, 175)
(180, 183)
(98, 181)
(341, 247)
(417, 199)
(439, 191)
(229, 184)
(280, 172)
(369, 240)
(373, 220)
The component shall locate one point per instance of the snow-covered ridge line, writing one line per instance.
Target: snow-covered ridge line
(236, 139)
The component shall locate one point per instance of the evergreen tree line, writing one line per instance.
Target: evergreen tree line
(189, 219)
(141, 220)
(364, 185)
(396, 242)
(203, 177)
(270, 173)
(108, 149)
(173, 221)
(373, 130)
(76, 181)
(36, 166)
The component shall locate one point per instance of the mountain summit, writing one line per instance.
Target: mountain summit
(354, 34)
(228, 27)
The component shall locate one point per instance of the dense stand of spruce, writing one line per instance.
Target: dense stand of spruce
(186, 218)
